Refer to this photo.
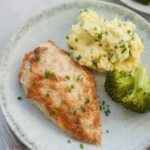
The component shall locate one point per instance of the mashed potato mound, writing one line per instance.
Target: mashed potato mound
(104, 45)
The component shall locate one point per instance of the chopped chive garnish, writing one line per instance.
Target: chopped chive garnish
(76, 39)
(129, 31)
(71, 87)
(71, 47)
(47, 95)
(80, 77)
(100, 107)
(116, 46)
(49, 74)
(67, 37)
(87, 100)
(142, 40)
(68, 53)
(82, 23)
(81, 146)
(132, 37)
(74, 113)
(67, 77)
(68, 141)
(95, 28)
(107, 131)
(78, 57)
(83, 10)
(103, 102)
(106, 113)
(45, 48)
(99, 36)
(19, 98)
(37, 57)
(82, 108)
(123, 50)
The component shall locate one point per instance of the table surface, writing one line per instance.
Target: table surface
(14, 13)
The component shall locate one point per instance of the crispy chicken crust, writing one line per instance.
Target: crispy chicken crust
(63, 90)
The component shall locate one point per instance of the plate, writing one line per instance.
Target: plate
(138, 6)
(127, 130)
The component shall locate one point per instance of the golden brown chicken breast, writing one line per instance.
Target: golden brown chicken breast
(63, 90)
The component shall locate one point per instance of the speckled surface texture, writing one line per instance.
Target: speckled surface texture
(126, 126)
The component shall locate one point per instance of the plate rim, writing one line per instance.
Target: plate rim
(10, 44)
(127, 4)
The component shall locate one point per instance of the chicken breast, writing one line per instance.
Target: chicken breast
(63, 90)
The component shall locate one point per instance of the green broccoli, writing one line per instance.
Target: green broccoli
(131, 89)
(118, 83)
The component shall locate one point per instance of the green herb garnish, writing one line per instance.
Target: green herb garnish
(47, 95)
(87, 100)
(49, 74)
(81, 146)
(82, 23)
(19, 98)
(80, 77)
(78, 57)
(45, 48)
(99, 36)
(106, 113)
(68, 53)
(132, 37)
(129, 31)
(82, 108)
(95, 28)
(76, 39)
(103, 102)
(116, 47)
(67, 37)
(68, 141)
(74, 113)
(107, 131)
(67, 77)
(83, 10)
(71, 47)
(100, 107)
(38, 57)
(71, 87)
(142, 40)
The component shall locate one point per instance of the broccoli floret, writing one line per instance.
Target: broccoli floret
(135, 95)
(138, 98)
(118, 83)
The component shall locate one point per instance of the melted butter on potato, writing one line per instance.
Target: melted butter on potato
(103, 44)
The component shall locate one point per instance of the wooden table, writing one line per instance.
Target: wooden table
(14, 13)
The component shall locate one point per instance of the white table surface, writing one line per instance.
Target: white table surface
(14, 13)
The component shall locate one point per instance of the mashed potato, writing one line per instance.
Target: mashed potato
(104, 45)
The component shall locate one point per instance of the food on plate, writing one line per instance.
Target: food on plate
(131, 89)
(146, 2)
(63, 90)
(104, 45)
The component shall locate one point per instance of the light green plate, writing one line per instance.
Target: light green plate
(127, 130)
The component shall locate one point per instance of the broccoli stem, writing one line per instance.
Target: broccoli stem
(141, 79)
